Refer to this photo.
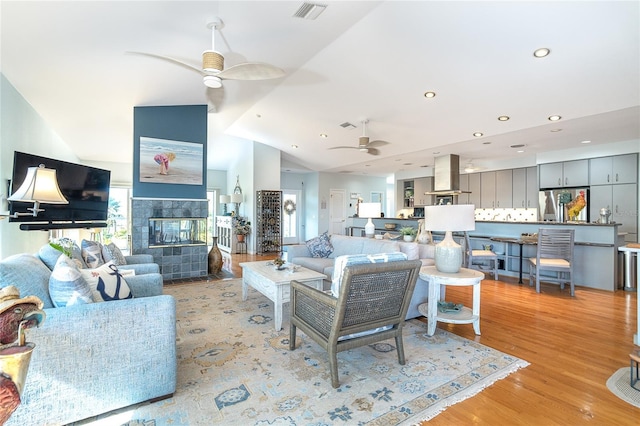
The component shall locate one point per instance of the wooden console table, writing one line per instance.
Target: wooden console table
(463, 277)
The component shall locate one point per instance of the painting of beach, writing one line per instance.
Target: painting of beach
(167, 161)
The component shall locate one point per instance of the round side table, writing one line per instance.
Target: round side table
(464, 277)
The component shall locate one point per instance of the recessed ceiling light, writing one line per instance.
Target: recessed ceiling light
(323, 135)
(555, 130)
(585, 142)
(407, 164)
(520, 151)
(486, 143)
(436, 152)
(258, 115)
(294, 146)
(520, 145)
(503, 118)
(554, 118)
(478, 134)
(542, 52)
(429, 94)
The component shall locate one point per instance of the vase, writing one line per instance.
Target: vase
(215, 258)
(408, 238)
(240, 238)
(424, 237)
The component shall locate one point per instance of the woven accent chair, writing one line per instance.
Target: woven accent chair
(480, 256)
(555, 253)
(372, 296)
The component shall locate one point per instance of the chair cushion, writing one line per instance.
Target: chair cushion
(556, 263)
(67, 286)
(320, 246)
(107, 283)
(482, 253)
(358, 259)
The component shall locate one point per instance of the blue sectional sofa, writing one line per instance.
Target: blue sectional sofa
(93, 358)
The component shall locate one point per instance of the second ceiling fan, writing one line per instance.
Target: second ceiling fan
(364, 145)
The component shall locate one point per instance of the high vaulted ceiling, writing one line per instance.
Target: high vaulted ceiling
(358, 60)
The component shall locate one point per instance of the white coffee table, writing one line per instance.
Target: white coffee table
(276, 284)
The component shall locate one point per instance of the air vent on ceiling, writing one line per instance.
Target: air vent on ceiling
(309, 10)
(347, 125)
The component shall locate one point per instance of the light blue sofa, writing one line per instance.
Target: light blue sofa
(299, 254)
(94, 358)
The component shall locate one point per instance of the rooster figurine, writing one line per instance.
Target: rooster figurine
(576, 205)
(16, 316)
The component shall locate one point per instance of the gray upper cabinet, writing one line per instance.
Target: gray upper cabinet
(504, 189)
(422, 185)
(464, 186)
(566, 174)
(488, 190)
(525, 188)
(474, 188)
(618, 169)
(532, 188)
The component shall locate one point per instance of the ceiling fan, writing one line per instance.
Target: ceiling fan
(213, 70)
(364, 144)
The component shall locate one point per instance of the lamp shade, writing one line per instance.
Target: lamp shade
(224, 199)
(450, 217)
(236, 198)
(40, 185)
(369, 209)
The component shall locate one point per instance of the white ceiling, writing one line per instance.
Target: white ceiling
(358, 60)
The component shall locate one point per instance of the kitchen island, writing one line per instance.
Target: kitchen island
(595, 252)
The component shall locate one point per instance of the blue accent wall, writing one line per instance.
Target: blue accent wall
(185, 123)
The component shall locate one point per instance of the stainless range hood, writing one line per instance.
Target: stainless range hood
(447, 176)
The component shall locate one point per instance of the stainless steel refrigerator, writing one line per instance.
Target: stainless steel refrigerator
(555, 203)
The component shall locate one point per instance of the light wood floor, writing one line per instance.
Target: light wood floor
(573, 345)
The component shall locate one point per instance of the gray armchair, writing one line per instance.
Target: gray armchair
(371, 307)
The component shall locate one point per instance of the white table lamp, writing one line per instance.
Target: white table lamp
(224, 200)
(237, 199)
(447, 219)
(39, 186)
(369, 210)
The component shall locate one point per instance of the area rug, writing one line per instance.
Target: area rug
(235, 368)
(619, 384)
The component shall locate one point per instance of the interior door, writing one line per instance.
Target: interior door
(337, 211)
(291, 214)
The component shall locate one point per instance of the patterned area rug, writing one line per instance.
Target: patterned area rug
(620, 384)
(234, 368)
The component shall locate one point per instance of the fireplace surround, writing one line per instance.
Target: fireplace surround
(185, 253)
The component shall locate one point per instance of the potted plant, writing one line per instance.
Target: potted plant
(241, 227)
(408, 233)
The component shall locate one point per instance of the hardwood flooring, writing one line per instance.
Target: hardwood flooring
(573, 345)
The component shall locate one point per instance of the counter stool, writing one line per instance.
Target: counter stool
(635, 360)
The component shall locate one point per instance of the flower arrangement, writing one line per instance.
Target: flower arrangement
(241, 225)
(65, 245)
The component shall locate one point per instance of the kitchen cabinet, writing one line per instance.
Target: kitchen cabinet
(566, 174)
(406, 195)
(622, 200)
(617, 169)
(464, 186)
(422, 185)
(474, 188)
(496, 189)
(525, 188)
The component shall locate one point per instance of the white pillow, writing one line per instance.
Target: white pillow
(107, 283)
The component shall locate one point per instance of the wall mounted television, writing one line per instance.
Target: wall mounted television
(86, 188)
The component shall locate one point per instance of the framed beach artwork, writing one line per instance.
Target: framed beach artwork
(170, 162)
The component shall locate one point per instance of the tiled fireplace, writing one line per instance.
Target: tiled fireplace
(174, 233)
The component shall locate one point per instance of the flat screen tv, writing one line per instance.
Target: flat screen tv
(86, 188)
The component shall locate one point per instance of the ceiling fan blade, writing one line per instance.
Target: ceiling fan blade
(251, 71)
(373, 151)
(344, 147)
(376, 144)
(169, 59)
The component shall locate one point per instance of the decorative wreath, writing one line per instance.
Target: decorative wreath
(289, 207)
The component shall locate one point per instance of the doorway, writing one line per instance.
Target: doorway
(291, 214)
(337, 211)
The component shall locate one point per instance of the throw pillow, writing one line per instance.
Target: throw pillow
(49, 255)
(114, 254)
(67, 287)
(92, 253)
(320, 246)
(107, 283)
(358, 259)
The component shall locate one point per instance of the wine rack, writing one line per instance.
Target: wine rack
(268, 221)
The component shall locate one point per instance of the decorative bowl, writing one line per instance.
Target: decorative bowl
(389, 226)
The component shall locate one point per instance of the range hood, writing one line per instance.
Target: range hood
(447, 176)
